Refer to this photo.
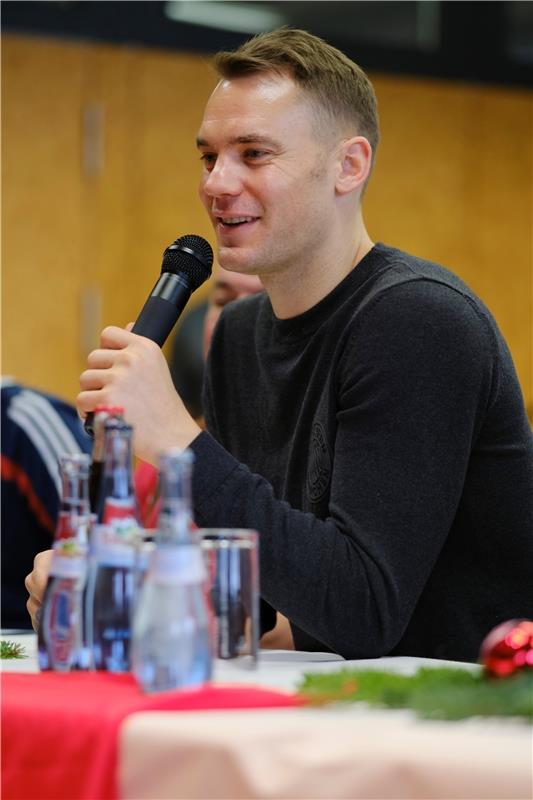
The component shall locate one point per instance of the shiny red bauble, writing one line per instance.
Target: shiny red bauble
(508, 648)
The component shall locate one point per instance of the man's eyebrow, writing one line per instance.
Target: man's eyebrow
(248, 138)
(255, 138)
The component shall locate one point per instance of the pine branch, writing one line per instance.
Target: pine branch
(441, 693)
(12, 650)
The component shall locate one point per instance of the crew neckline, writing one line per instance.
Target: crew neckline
(304, 324)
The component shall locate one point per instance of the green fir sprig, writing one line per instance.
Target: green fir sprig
(440, 693)
(11, 650)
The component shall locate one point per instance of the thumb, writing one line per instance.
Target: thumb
(129, 326)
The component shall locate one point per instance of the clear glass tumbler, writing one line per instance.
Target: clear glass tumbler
(231, 560)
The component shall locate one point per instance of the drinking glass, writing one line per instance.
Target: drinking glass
(231, 560)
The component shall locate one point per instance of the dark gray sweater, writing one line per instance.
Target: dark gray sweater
(379, 444)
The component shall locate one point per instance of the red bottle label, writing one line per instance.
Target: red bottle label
(119, 516)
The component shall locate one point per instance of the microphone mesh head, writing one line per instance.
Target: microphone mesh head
(191, 256)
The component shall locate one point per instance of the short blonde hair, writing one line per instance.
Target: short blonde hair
(337, 85)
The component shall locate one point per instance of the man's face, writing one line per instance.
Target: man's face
(268, 179)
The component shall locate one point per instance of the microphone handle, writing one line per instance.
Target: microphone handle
(163, 308)
(158, 316)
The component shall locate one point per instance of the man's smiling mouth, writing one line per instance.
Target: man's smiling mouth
(232, 221)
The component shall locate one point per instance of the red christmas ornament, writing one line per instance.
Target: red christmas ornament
(508, 647)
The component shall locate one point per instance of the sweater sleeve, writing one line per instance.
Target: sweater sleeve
(416, 378)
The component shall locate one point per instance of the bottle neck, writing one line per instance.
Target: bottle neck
(97, 464)
(74, 503)
(99, 436)
(104, 415)
(175, 516)
(117, 495)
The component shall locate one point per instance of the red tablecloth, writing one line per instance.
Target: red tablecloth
(59, 731)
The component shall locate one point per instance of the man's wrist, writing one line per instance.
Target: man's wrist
(180, 439)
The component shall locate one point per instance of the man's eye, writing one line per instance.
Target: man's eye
(255, 154)
(208, 159)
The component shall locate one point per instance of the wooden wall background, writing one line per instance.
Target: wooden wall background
(99, 174)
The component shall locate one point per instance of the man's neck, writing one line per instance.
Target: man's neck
(295, 290)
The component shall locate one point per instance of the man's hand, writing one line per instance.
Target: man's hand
(35, 584)
(280, 637)
(131, 371)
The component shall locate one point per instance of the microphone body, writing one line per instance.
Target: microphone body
(163, 308)
(186, 265)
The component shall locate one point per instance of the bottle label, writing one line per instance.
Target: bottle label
(62, 624)
(70, 520)
(120, 515)
(177, 565)
(110, 547)
(69, 559)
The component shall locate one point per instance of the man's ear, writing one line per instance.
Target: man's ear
(355, 160)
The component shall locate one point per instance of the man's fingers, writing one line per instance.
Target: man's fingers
(35, 584)
(101, 359)
(93, 379)
(88, 400)
(115, 355)
(33, 608)
(115, 338)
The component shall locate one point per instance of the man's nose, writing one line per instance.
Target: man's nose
(222, 179)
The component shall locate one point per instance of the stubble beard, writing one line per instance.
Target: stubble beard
(282, 252)
(268, 259)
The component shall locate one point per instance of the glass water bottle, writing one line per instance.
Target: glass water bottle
(112, 579)
(171, 632)
(60, 632)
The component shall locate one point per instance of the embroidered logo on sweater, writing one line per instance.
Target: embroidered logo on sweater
(319, 471)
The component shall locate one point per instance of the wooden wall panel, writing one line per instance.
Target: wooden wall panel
(145, 197)
(41, 212)
(453, 183)
(101, 230)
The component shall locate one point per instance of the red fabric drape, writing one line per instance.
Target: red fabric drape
(59, 731)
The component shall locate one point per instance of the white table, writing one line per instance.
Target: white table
(277, 669)
(330, 753)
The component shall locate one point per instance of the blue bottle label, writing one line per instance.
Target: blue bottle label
(62, 625)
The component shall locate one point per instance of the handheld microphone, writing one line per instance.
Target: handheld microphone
(186, 265)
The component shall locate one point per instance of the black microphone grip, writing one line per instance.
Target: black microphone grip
(163, 308)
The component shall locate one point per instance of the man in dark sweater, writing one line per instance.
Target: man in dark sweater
(364, 414)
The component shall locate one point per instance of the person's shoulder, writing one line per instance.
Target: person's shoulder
(9, 389)
(422, 281)
(411, 301)
(43, 417)
(402, 266)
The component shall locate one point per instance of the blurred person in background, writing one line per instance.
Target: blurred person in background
(37, 428)
(363, 413)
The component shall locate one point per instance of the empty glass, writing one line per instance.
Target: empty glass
(231, 560)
